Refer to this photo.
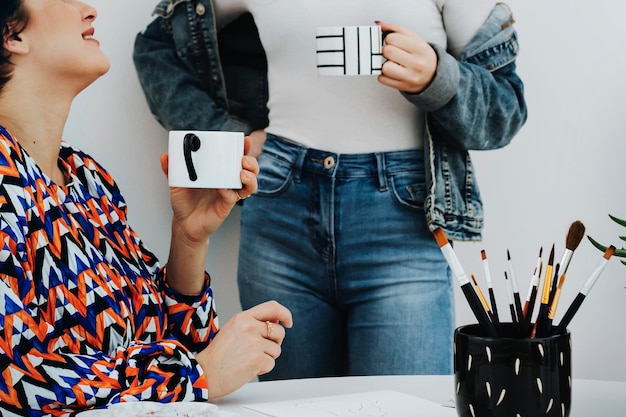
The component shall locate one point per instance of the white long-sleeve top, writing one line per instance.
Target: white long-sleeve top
(347, 114)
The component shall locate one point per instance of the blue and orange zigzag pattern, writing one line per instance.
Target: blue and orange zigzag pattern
(86, 316)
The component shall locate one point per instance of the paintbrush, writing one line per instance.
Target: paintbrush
(516, 297)
(464, 282)
(584, 291)
(514, 316)
(492, 297)
(575, 234)
(532, 288)
(547, 329)
(483, 300)
(542, 316)
(531, 299)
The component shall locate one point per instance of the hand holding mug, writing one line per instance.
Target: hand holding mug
(199, 208)
(411, 62)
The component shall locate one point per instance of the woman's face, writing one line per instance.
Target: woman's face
(59, 35)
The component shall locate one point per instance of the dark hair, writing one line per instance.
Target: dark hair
(13, 20)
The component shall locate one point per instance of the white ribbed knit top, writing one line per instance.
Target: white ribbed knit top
(346, 114)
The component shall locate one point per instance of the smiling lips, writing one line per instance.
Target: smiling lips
(88, 34)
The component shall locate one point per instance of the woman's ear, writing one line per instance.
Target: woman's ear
(14, 44)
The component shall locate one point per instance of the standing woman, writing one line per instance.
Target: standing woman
(355, 172)
(87, 316)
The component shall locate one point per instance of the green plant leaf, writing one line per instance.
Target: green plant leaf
(597, 244)
(621, 253)
(618, 220)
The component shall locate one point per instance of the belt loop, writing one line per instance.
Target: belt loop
(380, 166)
(297, 169)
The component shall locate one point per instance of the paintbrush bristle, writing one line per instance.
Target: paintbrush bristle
(575, 235)
(483, 254)
(609, 252)
(440, 237)
(551, 257)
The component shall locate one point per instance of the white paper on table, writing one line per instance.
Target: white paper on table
(155, 409)
(366, 404)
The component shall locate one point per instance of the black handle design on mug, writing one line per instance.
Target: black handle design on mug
(191, 143)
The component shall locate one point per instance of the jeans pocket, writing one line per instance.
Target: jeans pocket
(274, 175)
(408, 189)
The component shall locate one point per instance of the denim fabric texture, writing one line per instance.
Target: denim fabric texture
(341, 240)
(475, 103)
(191, 83)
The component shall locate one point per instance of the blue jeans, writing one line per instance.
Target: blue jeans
(341, 240)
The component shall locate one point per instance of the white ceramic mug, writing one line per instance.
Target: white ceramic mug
(349, 50)
(205, 159)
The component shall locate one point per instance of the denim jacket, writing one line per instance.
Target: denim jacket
(474, 103)
(185, 74)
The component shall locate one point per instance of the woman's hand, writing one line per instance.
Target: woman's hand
(411, 62)
(245, 347)
(199, 212)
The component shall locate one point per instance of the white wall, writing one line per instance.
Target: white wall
(566, 164)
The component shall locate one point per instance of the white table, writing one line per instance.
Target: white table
(589, 397)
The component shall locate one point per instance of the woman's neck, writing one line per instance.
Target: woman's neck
(38, 127)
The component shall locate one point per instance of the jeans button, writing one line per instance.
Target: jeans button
(329, 162)
(200, 9)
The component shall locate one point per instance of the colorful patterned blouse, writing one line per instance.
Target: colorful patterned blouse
(86, 316)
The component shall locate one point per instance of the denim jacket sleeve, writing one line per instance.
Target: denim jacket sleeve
(179, 68)
(477, 102)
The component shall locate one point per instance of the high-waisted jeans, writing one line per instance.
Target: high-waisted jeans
(341, 240)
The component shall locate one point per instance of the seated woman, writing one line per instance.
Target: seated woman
(88, 317)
